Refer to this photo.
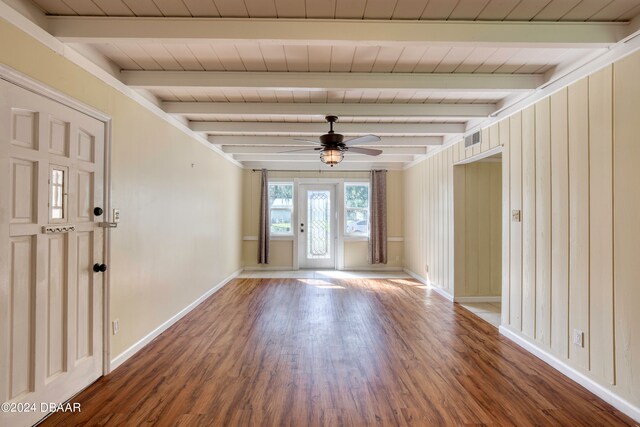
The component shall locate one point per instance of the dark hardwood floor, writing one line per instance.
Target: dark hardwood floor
(298, 352)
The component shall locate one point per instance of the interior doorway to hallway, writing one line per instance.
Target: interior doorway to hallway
(478, 236)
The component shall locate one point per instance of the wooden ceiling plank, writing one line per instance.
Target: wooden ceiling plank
(555, 10)
(229, 57)
(297, 58)
(319, 58)
(252, 57)
(468, 9)
(201, 8)
(172, 8)
(231, 8)
(347, 9)
(409, 9)
(320, 9)
(274, 57)
(143, 7)
(438, 9)
(206, 56)
(290, 8)
(54, 7)
(379, 9)
(260, 8)
(364, 59)
(162, 56)
(497, 10)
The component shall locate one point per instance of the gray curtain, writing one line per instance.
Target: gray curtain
(378, 218)
(263, 233)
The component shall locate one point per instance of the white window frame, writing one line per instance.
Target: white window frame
(64, 188)
(292, 209)
(354, 236)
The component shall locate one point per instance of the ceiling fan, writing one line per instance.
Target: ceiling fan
(333, 146)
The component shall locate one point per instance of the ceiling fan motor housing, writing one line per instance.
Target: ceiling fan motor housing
(332, 139)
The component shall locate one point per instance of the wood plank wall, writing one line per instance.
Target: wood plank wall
(571, 164)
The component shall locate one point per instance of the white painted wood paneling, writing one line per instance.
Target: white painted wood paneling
(626, 227)
(579, 187)
(601, 255)
(515, 232)
(543, 222)
(528, 222)
(573, 161)
(559, 225)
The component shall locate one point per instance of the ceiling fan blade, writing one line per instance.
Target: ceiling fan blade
(367, 151)
(362, 140)
(301, 149)
(307, 140)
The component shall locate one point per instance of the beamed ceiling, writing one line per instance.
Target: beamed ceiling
(252, 75)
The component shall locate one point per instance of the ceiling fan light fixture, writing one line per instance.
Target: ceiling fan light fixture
(331, 156)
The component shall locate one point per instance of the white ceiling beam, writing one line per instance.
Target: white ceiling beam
(288, 149)
(321, 128)
(329, 80)
(92, 29)
(315, 157)
(443, 111)
(396, 141)
(318, 166)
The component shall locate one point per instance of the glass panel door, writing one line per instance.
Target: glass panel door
(319, 220)
(316, 245)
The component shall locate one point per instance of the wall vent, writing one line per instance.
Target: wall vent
(472, 139)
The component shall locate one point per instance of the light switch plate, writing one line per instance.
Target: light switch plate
(516, 215)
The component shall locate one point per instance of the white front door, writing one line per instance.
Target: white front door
(317, 229)
(51, 179)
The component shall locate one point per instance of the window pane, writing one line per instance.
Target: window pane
(280, 195)
(356, 209)
(281, 221)
(356, 196)
(56, 190)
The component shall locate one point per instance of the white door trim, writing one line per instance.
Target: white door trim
(21, 80)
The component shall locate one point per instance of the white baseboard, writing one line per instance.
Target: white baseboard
(437, 289)
(254, 268)
(122, 357)
(577, 376)
(477, 299)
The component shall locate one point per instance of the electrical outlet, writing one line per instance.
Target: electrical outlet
(116, 326)
(116, 215)
(578, 338)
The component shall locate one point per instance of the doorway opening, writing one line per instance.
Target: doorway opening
(478, 236)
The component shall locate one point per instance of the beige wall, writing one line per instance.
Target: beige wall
(570, 164)
(478, 228)
(180, 229)
(355, 252)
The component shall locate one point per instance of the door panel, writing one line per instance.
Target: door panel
(51, 174)
(317, 237)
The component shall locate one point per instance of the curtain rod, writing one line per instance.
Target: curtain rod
(318, 171)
